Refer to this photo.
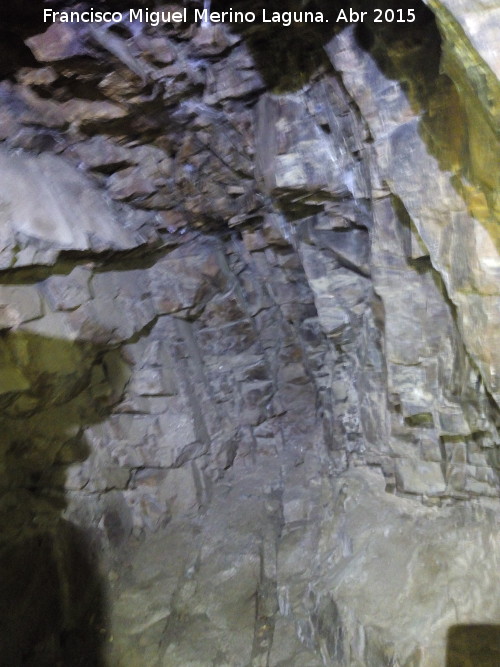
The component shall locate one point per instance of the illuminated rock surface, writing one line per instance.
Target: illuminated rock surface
(250, 314)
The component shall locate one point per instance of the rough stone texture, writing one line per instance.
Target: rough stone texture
(440, 214)
(470, 32)
(46, 207)
(249, 351)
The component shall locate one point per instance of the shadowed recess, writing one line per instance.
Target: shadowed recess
(473, 646)
(52, 611)
(288, 57)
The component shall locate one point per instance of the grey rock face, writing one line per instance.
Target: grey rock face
(47, 207)
(249, 350)
(440, 214)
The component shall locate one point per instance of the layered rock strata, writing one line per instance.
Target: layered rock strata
(249, 352)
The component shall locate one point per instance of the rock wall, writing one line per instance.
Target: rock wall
(249, 351)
